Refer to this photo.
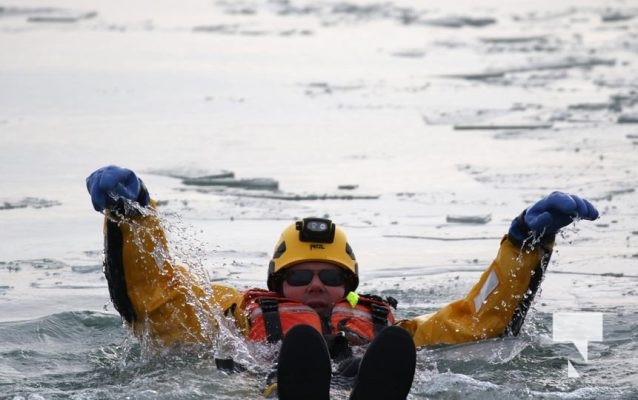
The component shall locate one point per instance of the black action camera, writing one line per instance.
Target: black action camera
(317, 230)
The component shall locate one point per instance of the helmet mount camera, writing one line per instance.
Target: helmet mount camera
(317, 230)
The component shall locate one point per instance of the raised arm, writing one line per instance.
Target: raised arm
(163, 302)
(497, 304)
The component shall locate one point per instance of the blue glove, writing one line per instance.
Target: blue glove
(545, 218)
(108, 185)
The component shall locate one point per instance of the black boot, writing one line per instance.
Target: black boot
(304, 369)
(387, 368)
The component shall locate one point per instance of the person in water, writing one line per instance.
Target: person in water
(312, 281)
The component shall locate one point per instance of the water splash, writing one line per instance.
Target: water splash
(222, 337)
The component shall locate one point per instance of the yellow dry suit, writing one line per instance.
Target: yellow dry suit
(167, 304)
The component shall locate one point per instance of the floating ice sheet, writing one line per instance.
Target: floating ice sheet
(628, 118)
(537, 66)
(248, 183)
(469, 219)
(28, 202)
(191, 173)
(503, 126)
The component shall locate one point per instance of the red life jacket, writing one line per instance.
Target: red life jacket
(271, 315)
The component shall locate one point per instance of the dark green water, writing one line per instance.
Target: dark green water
(88, 355)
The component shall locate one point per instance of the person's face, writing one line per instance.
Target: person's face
(316, 294)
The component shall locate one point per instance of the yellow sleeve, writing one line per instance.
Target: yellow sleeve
(498, 301)
(164, 303)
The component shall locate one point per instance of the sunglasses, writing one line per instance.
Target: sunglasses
(302, 277)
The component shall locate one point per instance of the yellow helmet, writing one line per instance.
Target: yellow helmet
(312, 239)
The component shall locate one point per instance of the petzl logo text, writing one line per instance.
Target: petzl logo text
(578, 328)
